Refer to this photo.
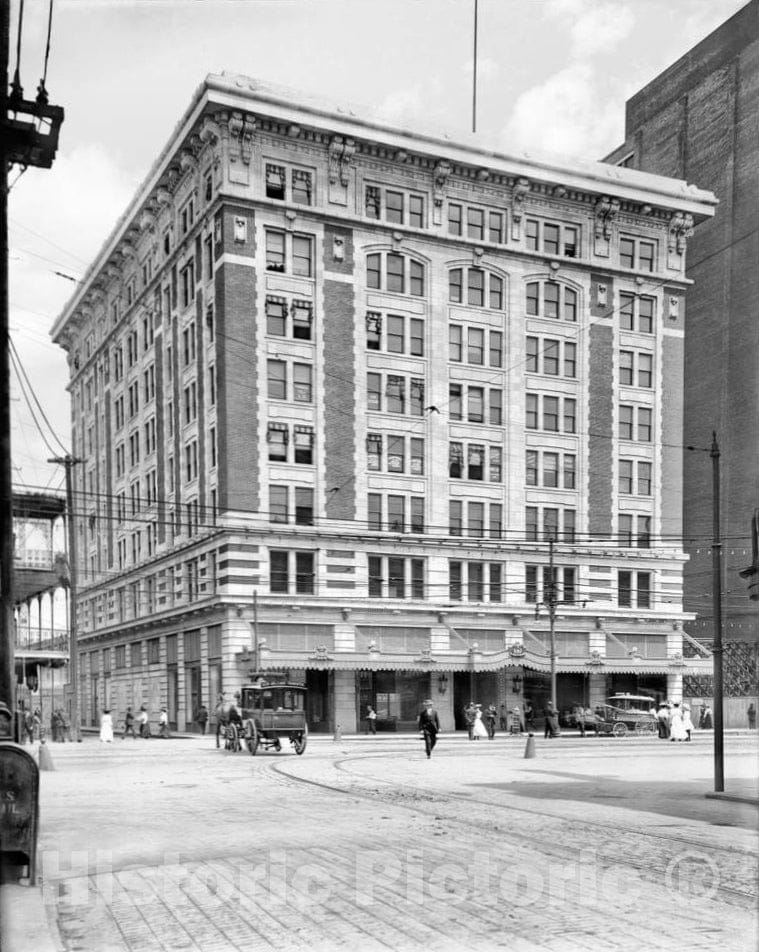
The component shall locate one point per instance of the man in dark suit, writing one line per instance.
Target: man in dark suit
(429, 725)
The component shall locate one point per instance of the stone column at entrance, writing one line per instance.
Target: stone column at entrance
(596, 688)
(675, 688)
(344, 714)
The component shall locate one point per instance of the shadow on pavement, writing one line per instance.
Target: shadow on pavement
(685, 800)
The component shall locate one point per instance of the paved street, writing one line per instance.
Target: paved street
(595, 844)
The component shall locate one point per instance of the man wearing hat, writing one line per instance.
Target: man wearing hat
(429, 725)
(163, 724)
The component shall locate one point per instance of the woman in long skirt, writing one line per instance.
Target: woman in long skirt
(478, 730)
(677, 725)
(106, 727)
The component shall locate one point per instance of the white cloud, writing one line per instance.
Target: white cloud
(565, 116)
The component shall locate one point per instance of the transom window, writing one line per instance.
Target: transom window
(393, 205)
(551, 300)
(552, 238)
(473, 221)
(387, 271)
(475, 287)
(395, 333)
(637, 253)
(289, 184)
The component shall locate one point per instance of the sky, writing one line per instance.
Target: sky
(553, 77)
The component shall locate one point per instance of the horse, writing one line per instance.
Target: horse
(226, 714)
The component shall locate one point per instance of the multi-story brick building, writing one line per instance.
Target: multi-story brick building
(700, 119)
(336, 386)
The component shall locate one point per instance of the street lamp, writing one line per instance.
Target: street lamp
(719, 736)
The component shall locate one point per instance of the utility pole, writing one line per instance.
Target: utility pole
(28, 137)
(68, 462)
(7, 662)
(719, 736)
(551, 606)
(719, 729)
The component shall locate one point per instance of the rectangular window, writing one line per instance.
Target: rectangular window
(276, 316)
(455, 343)
(531, 523)
(416, 456)
(302, 386)
(455, 581)
(278, 571)
(531, 468)
(396, 454)
(374, 452)
(374, 512)
(396, 513)
(455, 517)
(495, 352)
(277, 379)
(644, 479)
(278, 504)
(303, 445)
(476, 519)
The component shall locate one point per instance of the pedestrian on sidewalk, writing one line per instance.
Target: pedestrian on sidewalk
(551, 721)
(662, 719)
(106, 727)
(751, 712)
(371, 719)
(201, 718)
(677, 724)
(129, 725)
(429, 725)
(529, 715)
(502, 719)
(478, 728)
(163, 724)
(490, 715)
(144, 722)
(708, 722)
(687, 722)
(469, 711)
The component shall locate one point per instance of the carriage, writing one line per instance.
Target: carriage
(262, 716)
(625, 713)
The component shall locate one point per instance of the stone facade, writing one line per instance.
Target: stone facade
(353, 379)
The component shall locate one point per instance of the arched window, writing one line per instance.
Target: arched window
(388, 271)
(550, 300)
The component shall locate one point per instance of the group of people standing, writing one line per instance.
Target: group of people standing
(142, 720)
(675, 722)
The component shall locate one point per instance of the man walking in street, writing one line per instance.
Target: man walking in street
(429, 725)
(129, 725)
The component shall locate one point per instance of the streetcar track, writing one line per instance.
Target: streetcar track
(554, 849)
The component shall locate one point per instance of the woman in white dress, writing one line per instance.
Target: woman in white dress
(478, 729)
(106, 727)
(687, 723)
(677, 725)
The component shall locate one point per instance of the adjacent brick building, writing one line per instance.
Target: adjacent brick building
(342, 393)
(699, 120)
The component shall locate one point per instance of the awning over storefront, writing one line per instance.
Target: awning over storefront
(476, 661)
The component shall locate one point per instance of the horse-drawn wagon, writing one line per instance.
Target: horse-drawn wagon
(262, 715)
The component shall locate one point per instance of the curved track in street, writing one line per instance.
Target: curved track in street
(651, 852)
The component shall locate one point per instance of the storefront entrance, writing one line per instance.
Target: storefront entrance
(397, 698)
